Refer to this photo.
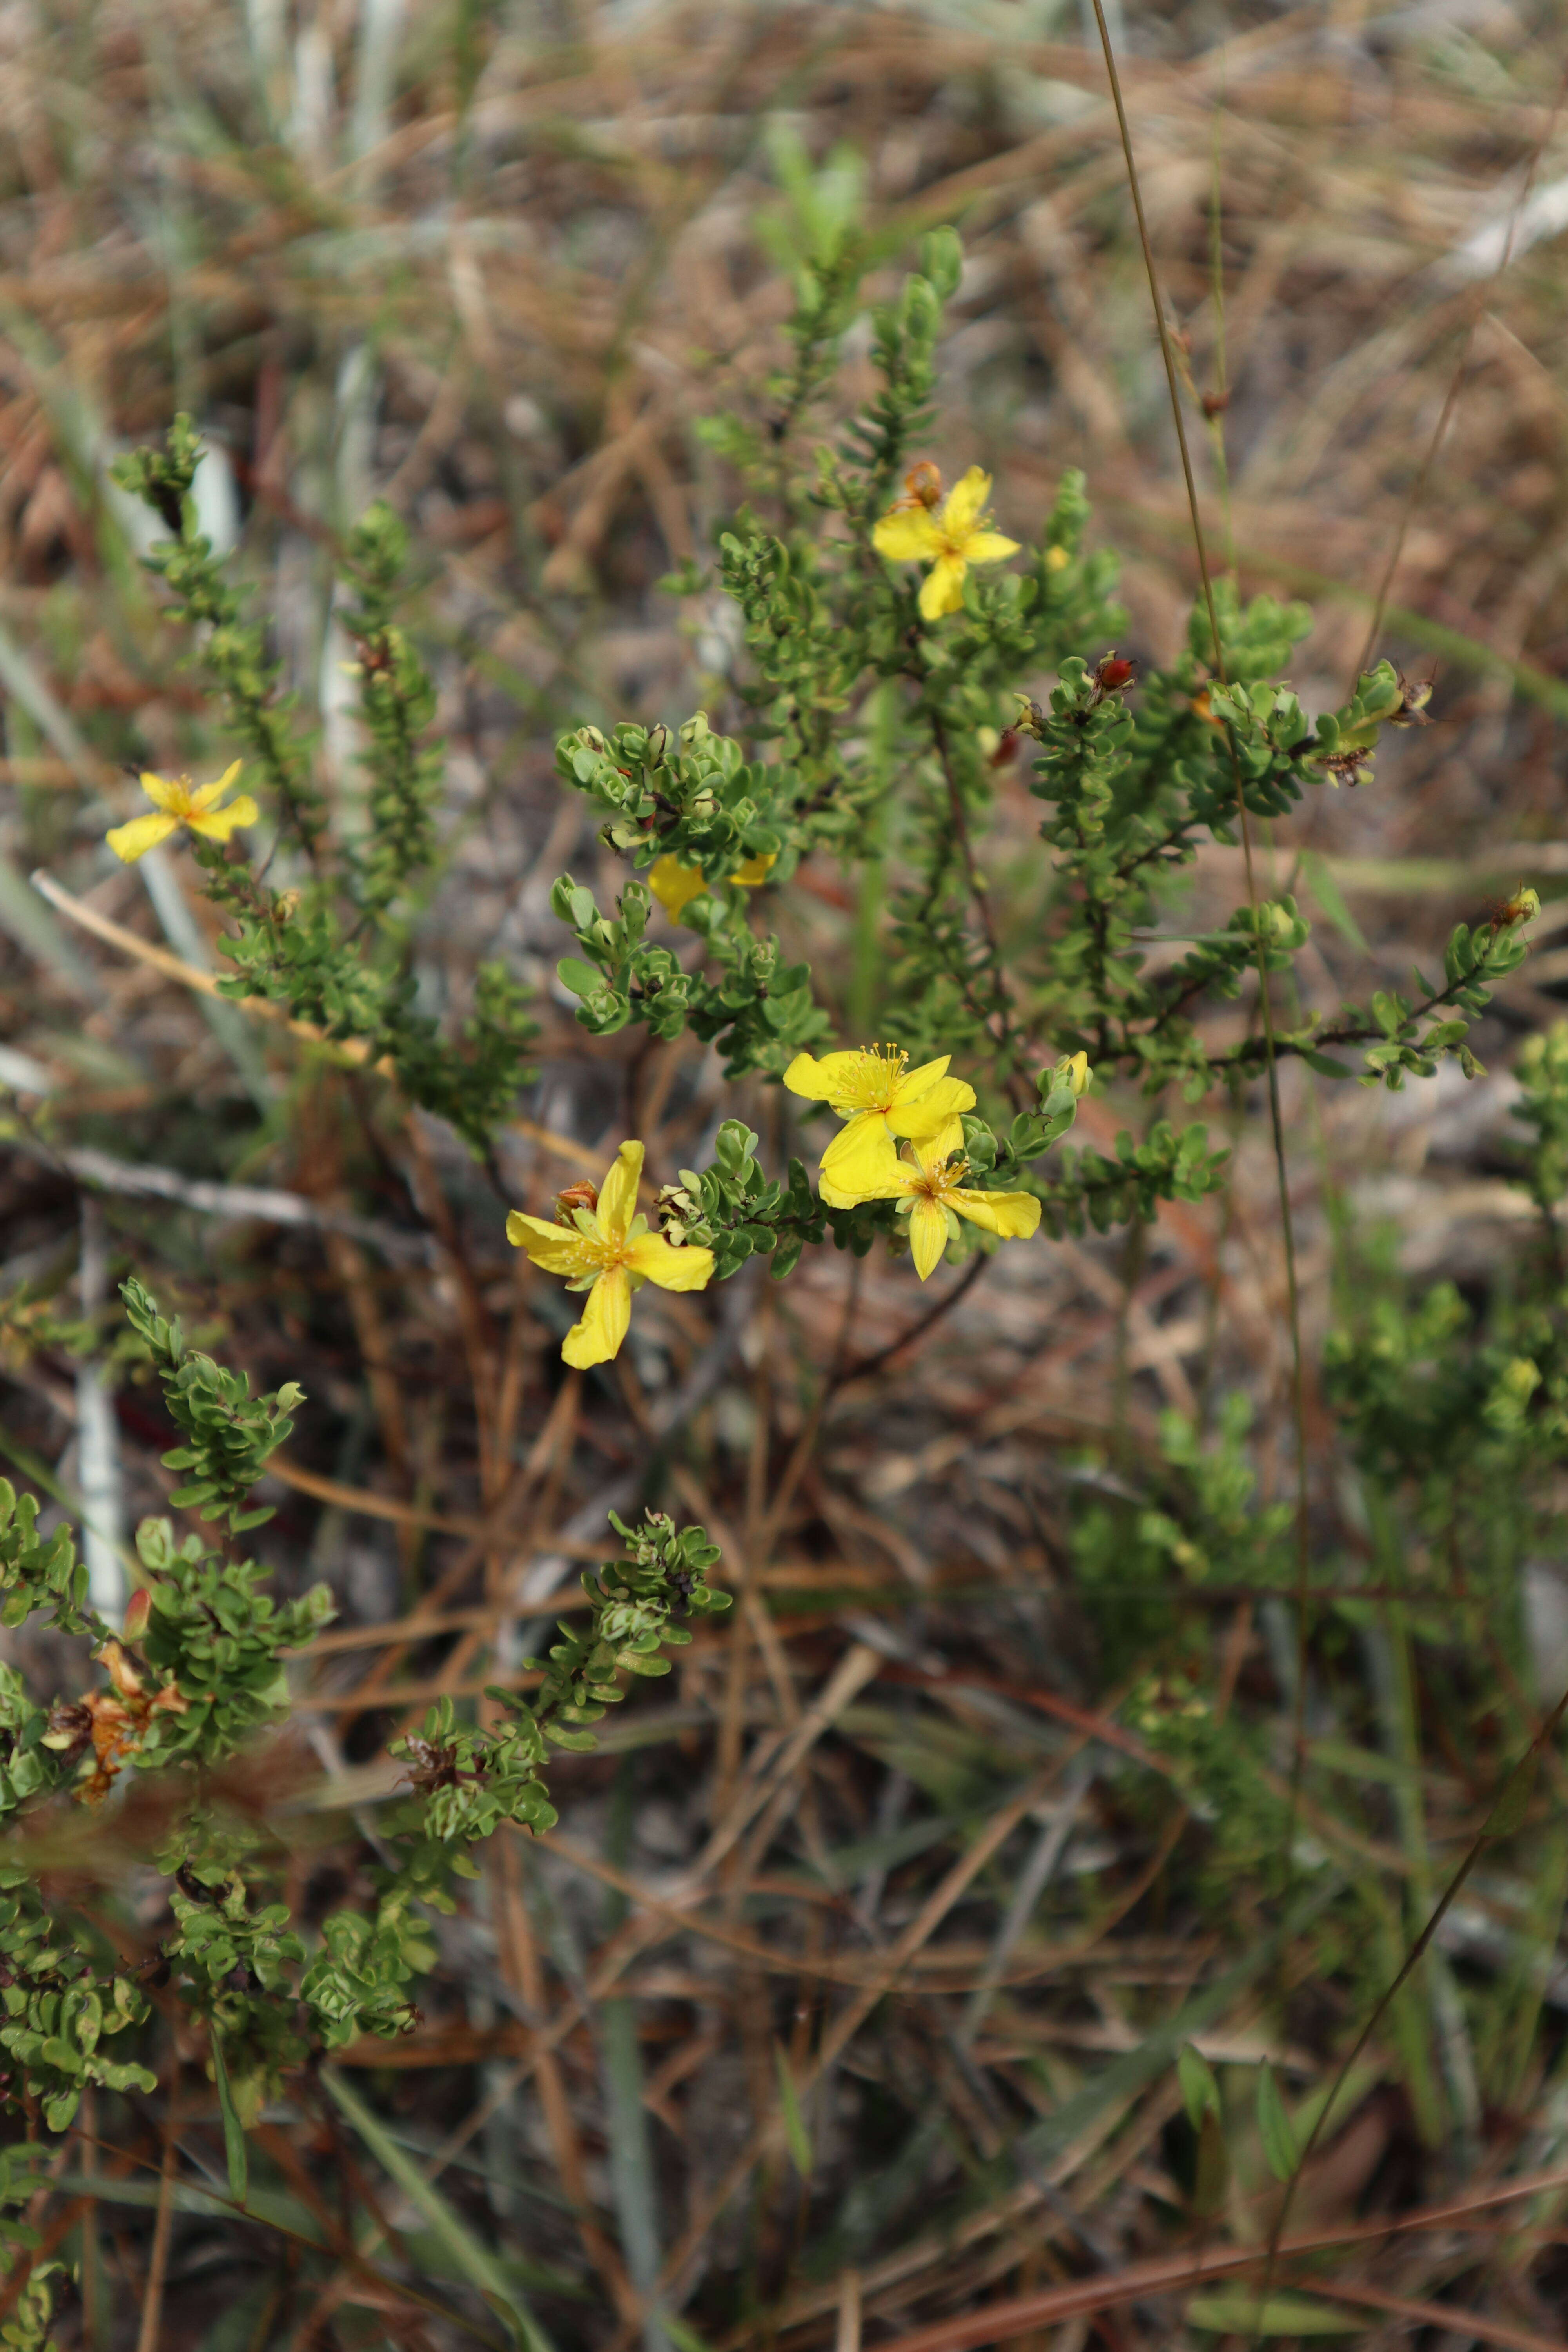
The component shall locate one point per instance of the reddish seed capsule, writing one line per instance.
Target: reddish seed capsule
(1413, 697)
(583, 1194)
(922, 488)
(1114, 672)
(138, 1608)
(1522, 903)
(922, 483)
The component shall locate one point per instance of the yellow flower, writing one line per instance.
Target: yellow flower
(675, 885)
(934, 1190)
(950, 541)
(177, 803)
(606, 1250)
(875, 1091)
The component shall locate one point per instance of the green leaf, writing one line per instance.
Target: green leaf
(793, 2121)
(1199, 2090)
(1237, 2313)
(474, 2261)
(1325, 1065)
(580, 977)
(233, 2129)
(1279, 2137)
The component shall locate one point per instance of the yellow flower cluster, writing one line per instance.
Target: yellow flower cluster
(675, 885)
(882, 1102)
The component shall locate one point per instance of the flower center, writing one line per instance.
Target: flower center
(942, 1179)
(884, 1075)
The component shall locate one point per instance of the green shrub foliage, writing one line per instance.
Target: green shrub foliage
(876, 717)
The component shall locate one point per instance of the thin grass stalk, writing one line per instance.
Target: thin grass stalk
(1413, 1957)
(1292, 1289)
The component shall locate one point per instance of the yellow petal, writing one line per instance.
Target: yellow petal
(598, 1336)
(754, 872)
(1014, 1215)
(166, 793)
(821, 1081)
(618, 1198)
(133, 841)
(804, 1077)
(934, 1110)
(892, 1182)
(861, 1163)
(675, 885)
(658, 1261)
(909, 536)
(931, 1151)
(559, 1249)
(218, 824)
(209, 795)
(965, 503)
(943, 588)
(989, 546)
(921, 1080)
(928, 1236)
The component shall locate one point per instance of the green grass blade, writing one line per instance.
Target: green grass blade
(796, 2133)
(1236, 2313)
(233, 2129)
(474, 2261)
